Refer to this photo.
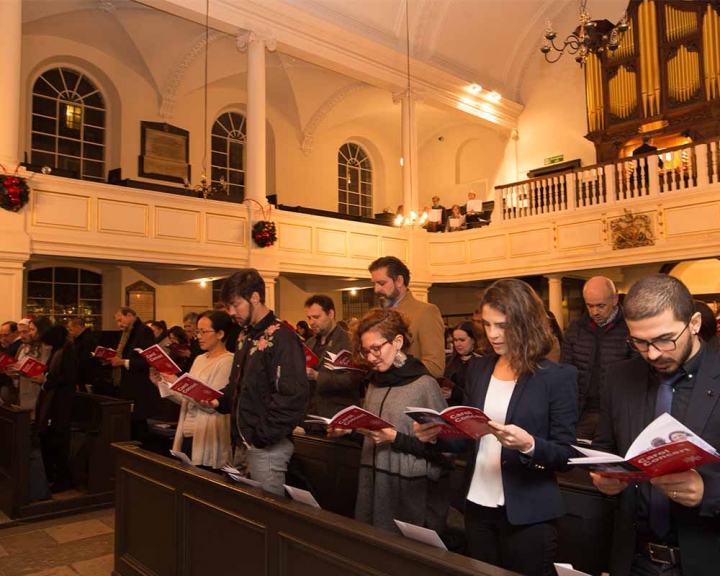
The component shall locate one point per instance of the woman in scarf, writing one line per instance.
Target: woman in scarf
(399, 478)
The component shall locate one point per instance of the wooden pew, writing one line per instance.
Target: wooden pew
(330, 467)
(172, 519)
(102, 421)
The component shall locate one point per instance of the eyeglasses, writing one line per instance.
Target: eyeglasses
(375, 350)
(660, 344)
(203, 332)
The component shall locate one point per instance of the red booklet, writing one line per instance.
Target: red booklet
(6, 360)
(158, 359)
(343, 360)
(664, 447)
(311, 358)
(195, 388)
(351, 418)
(454, 422)
(104, 353)
(31, 367)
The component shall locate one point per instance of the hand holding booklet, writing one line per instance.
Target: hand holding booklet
(30, 367)
(664, 447)
(191, 387)
(158, 359)
(104, 353)
(351, 418)
(454, 422)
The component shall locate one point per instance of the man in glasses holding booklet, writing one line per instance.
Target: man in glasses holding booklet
(669, 525)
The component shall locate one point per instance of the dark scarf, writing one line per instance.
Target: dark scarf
(407, 373)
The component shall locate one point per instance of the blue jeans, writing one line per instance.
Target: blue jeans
(268, 465)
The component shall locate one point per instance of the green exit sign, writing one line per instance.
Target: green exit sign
(554, 159)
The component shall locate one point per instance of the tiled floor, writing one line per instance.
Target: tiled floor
(79, 545)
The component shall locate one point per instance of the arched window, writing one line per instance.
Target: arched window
(228, 152)
(354, 181)
(60, 293)
(68, 124)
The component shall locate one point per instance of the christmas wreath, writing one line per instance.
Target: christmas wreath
(15, 191)
(264, 233)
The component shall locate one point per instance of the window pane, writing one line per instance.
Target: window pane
(236, 177)
(42, 87)
(42, 159)
(40, 275)
(96, 135)
(41, 142)
(88, 277)
(45, 106)
(66, 298)
(46, 125)
(67, 275)
(342, 197)
(219, 159)
(366, 201)
(39, 290)
(236, 155)
(94, 169)
(71, 79)
(218, 144)
(94, 152)
(95, 100)
(342, 208)
(71, 164)
(70, 120)
(39, 307)
(94, 117)
(69, 147)
(53, 78)
(89, 307)
(353, 210)
(353, 199)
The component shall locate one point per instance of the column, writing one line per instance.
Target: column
(410, 180)
(10, 47)
(270, 277)
(255, 44)
(555, 296)
(419, 289)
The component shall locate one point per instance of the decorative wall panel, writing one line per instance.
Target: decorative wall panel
(696, 219)
(364, 245)
(222, 229)
(395, 247)
(492, 248)
(126, 218)
(61, 210)
(530, 242)
(586, 234)
(448, 253)
(294, 237)
(331, 242)
(174, 224)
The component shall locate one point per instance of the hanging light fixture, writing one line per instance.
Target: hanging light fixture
(590, 37)
(412, 217)
(206, 188)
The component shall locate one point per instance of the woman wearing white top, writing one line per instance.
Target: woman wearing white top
(202, 433)
(513, 498)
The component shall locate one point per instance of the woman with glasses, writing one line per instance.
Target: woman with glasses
(399, 478)
(202, 433)
(513, 498)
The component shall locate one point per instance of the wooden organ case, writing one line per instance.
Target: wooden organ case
(663, 80)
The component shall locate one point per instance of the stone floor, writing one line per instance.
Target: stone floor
(80, 545)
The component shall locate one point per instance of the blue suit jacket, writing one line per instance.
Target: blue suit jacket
(545, 405)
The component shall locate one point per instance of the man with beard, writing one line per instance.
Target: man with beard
(391, 278)
(268, 390)
(670, 525)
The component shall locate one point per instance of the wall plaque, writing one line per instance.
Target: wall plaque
(164, 152)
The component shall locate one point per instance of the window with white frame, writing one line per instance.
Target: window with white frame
(68, 124)
(354, 181)
(63, 292)
(228, 152)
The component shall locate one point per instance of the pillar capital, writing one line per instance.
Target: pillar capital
(415, 95)
(248, 37)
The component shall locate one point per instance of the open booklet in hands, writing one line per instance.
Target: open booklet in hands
(664, 447)
(189, 386)
(351, 418)
(454, 422)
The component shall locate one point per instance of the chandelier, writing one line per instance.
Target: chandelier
(205, 189)
(590, 37)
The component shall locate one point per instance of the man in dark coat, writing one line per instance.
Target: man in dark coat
(670, 525)
(9, 343)
(591, 344)
(130, 371)
(85, 343)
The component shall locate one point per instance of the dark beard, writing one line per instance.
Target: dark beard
(680, 362)
(245, 322)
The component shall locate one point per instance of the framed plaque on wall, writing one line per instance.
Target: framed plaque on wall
(164, 152)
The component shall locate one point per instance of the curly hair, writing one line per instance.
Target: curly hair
(388, 322)
(528, 336)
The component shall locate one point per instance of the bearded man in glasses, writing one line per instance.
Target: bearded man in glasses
(670, 525)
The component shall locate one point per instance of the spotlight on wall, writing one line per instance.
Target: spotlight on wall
(475, 88)
(203, 283)
(353, 292)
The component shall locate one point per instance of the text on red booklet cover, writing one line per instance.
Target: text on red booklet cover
(352, 417)
(158, 359)
(31, 368)
(194, 388)
(104, 353)
(454, 422)
(6, 360)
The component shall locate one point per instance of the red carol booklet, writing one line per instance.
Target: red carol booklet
(454, 422)
(664, 447)
(311, 358)
(352, 417)
(194, 388)
(104, 353)
(343, 360)
(6, 360)
(157, 358)
(31, 367)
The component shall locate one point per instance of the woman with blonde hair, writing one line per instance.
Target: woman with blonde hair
(513, 497)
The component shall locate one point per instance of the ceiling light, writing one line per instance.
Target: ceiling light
(475, 88)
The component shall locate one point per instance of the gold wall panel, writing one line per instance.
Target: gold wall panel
(127, 218)
(176, 224)
(711, 53)
(444, 253)
(331, 242)
(683, 74)
(622, 90)
(586, 234)
(294, 237)
(395, 247)
(594, 93)
(530, 242)
(695, 219)
(649, 63)
(679, 23)
(364, 245)
(492, 248)
(223, 229)
(59, 210)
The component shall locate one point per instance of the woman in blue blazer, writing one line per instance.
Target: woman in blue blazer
(512, 497)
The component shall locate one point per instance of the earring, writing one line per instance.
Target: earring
(400, 359)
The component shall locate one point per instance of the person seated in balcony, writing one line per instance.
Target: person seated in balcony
(473, 208)
(436, 216)
(455, 220)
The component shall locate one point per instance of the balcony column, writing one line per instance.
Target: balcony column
(410, 179)
(10, 48)
(555, 296)
(255, 43)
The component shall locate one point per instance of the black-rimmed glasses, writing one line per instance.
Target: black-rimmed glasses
(374, 350)
(660, 344)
